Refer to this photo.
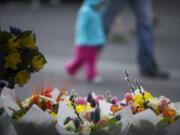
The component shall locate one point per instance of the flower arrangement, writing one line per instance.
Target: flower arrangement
(37, 113)
(19, 57)
(43, 100)
(89, 116)
(140, 100)
(94, 114)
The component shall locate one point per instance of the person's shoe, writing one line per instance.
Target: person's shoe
(155, 74)
(96, 80)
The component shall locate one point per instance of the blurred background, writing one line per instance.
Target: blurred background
(53, 21)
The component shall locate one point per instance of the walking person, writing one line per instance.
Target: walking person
(143, 14)
(89, 39)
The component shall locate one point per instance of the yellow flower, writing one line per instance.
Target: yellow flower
(139, 102)
(38, 62)
(53, 114)
(28, 42)
(147, 95)
(13, 44)
(82, 108)
(139, 96)
(22, 77)
(12, 59)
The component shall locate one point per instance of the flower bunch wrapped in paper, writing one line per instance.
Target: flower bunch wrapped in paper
(91, 115)
(19, 57)
(37, 113)
(53, 111)
(150, 114)
(138, 113)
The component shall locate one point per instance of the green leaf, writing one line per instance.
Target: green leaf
(111, 122)
(26, 34)
(1, 111)
(4, 37)
(17, 114)
(115, 129)
(96, 128)
(165, 122)
(55, 108)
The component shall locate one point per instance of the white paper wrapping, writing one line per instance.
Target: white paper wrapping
(55, 92)
(8, 99)
(37, 117)
(144, 123)
(35, 122)
(64, 112)
(6, 126)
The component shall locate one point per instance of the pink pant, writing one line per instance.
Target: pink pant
(84, 55)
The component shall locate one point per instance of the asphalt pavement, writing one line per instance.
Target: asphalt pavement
(54, 27)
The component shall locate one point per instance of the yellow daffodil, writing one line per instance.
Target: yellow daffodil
(28, 42)
(147, 95)
(22, 77)
(140, 96)
(38, 62)
(139, 102)
(12, 59)
(13, 44)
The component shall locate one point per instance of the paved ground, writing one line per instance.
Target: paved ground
(55, 31)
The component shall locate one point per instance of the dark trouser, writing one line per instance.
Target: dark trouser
(143, 14)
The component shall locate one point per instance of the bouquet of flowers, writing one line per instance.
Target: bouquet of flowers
(150, 113)
(53, 111)
(91, 115)
(37, 113)
(19, 57)
(138, 113)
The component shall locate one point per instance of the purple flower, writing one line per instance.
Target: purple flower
(15, 31)
(114, 100)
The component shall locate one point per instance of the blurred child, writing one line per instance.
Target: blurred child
(89, 39)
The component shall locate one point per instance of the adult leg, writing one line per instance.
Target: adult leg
(111, 12)
(142, 10)
(146, 51)
(75, 63)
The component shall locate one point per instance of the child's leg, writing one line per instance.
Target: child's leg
(75, 63)
(91, 61)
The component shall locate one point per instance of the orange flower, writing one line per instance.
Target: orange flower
(167, 112)
(115, 108)
(35, 99)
